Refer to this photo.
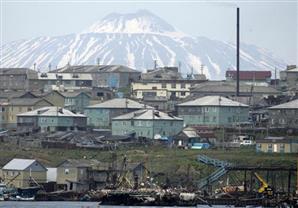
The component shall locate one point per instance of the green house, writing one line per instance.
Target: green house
(100, 115)
(147, 123)
(213, 111)
(51, 119)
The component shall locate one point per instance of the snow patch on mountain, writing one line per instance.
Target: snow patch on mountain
(136, 40)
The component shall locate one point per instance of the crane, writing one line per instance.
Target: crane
(265, 188)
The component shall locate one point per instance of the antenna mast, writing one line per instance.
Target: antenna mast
(238, 46)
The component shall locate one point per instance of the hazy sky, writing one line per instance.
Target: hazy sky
(269, 24)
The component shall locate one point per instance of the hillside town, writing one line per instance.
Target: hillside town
(111, 109)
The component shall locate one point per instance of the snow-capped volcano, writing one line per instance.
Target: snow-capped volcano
(142, 21)
(136, 40)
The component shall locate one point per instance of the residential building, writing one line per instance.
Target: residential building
(289, 79)
(112, 76)
(249, 94)
(101, 93)
(147, 123)
(59, 81)
(21, 173)
(260, 78)
(169, 89)
(74, 175)
(15, 78)
(284, 115)
(277, 145)
(213, 111)
(15, 106)
(74, 101)
(164, 82)
(51, 119)
(101, 114)
(8, 95)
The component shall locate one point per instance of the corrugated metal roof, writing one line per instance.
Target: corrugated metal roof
(18, 164)
(228, 87)
(249, 75)
(289, 105)
(51, 111)
(120, 103)
(96, 69)
(16, 71)
(213, 101)
(147, 114)
(26, 101)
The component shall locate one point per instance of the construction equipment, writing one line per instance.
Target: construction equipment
(265, 189)
(123, 181)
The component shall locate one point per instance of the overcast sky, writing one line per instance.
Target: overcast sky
(269, 24)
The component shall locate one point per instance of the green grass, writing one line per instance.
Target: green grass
(177, 164)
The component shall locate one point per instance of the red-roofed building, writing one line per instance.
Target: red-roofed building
(257, 77)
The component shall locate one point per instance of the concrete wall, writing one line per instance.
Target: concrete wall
(212, 115)
(147, 128)
(276, 147)
(102, 117)
(11, 111)
(287, 118)
(165, 89)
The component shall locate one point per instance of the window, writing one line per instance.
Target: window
(182, 85)
(154, 88)
(182, 93)
(81, 171)
(173, 85)
(66, 171)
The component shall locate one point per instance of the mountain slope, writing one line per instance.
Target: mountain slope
(135, 40)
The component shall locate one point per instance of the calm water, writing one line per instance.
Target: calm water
(13, 204)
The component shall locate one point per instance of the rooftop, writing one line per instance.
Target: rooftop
(213, 101)
(228, 87)
(164, 73)
(26, 101)
(15, 71)
(95, 69)
(51, 111)
(147, 114)
(249, 75)
(63, 76)
(120, 103)
(289, 105)
(18, 164)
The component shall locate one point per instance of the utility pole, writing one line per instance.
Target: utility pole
(155, 64)
(275, 77)
(238, 51)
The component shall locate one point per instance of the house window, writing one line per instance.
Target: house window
(154, 88)
(182, 85)
(282, 148)
(66, 171)
(173, 85)
(269, 147)
(163, 85)
(182, 93)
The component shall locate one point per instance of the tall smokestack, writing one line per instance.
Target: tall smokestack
(238, 46)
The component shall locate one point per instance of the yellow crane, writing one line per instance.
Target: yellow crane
(265, 188)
